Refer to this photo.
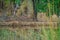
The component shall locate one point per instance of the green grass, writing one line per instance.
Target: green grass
(30, 34)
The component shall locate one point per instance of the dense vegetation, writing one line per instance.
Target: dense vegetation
(41, 5)
(30, 34)
(47, 6)
(41, 10)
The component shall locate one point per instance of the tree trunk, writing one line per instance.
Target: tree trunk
(35, 11)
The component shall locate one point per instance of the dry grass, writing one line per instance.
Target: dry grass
(42, 17)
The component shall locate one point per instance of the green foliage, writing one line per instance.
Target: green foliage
(47, 6)
(6, 3)
(43, 6)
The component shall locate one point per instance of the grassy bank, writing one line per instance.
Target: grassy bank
(30, 34)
